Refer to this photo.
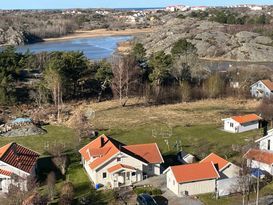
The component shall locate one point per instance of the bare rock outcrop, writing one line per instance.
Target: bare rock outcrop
(12, 36)
(211, 40)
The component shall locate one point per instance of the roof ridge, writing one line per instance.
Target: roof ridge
(206, 157)
(140, 144)
(28, 148)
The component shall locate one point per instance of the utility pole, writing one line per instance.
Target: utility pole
(258, 186)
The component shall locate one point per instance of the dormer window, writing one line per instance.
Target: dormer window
(118, 159)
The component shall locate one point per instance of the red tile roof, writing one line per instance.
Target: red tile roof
(263, 156)
(215, 159)
(246, 118)
(194, 172)
(5, 172)
(104, 148)
(102, 145)
(19, 157)
(268, 84)
(4, 149)
(97, 152)
(149, 152)
(119, 167)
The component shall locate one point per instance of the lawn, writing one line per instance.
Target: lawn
(195, 126)
(209, 199)
(55, 134)
(199, 139)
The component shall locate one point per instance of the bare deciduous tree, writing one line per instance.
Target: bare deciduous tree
(67, 194)
(59, 158)
(50, 181)
(125, 76)
(53, 82)
(266, 109)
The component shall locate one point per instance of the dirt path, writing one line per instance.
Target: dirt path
(100, 33)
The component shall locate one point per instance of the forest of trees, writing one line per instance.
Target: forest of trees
(159, 78)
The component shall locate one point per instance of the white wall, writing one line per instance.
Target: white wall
(171, 182)
(259, 85)
(265, 142)
(260, 165)
(237, 127)
(231, 171)
(125, 159)
(91, 173)
(14, 170)
(196, 188)
(228, 125)
(248, 127)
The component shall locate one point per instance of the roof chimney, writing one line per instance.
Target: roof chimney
(265, 128)
(101, 141)
(15, 150)
(88, 152)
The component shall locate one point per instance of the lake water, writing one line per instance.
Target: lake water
(94, 48)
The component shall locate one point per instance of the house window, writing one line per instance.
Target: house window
(133, 173)
(268, 145)
(104, 175)
(118, 159)
(231, 124)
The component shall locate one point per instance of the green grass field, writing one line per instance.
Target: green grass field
(195, 125)
(55, 134)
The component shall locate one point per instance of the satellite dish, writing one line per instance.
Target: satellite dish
(90, 114)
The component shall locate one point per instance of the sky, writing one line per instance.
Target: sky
(59, 4)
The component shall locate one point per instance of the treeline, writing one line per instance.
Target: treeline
(58, 77)
(227, 16)
(37, 25)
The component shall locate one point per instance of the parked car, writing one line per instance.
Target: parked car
(145, 199)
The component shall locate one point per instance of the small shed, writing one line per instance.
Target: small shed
(192, 179)
(185, 158)
(238, 124)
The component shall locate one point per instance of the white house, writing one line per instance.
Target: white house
(185, 158)
(260, 159)
(192, 179)
(266, 142)
(238, 124)
(199, 8)
(225, 168)
(256, 8)
(112, 164)
(261, 89)
(177, 8)
(16, 164)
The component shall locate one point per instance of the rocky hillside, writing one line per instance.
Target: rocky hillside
(211, 40)
(12, 36)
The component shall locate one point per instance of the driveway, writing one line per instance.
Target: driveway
(168, 197)
(172, 199)
(156, 181)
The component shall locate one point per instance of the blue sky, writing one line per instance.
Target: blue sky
(50, 4)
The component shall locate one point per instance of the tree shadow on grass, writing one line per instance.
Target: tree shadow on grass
(45, 165)
(93, 197)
